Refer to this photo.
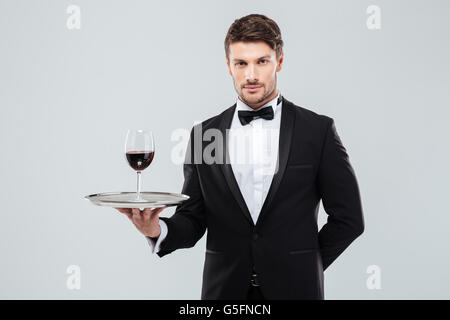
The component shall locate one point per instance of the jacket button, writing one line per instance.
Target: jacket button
(255, 236)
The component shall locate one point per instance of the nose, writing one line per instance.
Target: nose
(250, 73)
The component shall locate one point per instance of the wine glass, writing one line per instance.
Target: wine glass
(139, 151)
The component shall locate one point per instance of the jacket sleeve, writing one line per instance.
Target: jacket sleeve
(187, 225)
(341, 199)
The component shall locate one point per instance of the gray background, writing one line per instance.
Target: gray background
(67, 98)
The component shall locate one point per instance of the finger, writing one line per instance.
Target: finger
(158, 210)
(154, 210)
(135, 211)
(150, 211)
(146, 214)
(136, 214)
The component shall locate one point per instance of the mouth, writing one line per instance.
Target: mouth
(252, 89)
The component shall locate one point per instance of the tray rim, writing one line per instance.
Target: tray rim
(91, 198)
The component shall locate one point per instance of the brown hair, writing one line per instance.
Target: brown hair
(255, 27)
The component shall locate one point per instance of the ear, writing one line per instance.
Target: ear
(280, 61)
(228, 65)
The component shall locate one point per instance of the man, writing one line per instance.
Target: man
(261, 216)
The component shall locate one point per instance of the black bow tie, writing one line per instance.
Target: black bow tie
(245, 117)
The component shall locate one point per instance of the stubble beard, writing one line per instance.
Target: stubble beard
(264, 97)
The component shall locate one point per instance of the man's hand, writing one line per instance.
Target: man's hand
(146, 221)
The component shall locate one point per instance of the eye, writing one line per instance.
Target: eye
(264, 61)
(241, 63)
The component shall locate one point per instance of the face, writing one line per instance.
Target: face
(253, 67)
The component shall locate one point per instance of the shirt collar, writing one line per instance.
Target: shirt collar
(242, 106)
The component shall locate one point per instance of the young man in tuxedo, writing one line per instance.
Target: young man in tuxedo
(263, 240)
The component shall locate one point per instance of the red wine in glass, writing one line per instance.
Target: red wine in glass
(139, 152)
(139, 160)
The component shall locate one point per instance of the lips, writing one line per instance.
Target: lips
(252, 88)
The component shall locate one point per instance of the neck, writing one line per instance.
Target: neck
(255, 106)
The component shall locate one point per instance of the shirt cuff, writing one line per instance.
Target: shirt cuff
(155, 243)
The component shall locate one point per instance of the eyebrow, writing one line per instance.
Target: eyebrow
(266, 56)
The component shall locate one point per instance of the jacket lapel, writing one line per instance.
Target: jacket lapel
(285, 138)
(227, 171)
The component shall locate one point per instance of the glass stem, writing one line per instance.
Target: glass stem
(138, 197)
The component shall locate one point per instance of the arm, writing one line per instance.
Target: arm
(188, 224)
(340, 197)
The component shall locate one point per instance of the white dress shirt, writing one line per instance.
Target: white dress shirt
(253, 150)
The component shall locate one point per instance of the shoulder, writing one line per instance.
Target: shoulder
(308, 116)
(214, 121)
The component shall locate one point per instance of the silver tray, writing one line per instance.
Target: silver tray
(128, 199)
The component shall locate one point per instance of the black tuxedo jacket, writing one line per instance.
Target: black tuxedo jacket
(284, 247)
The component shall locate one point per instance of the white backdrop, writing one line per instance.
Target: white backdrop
(67, 97)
